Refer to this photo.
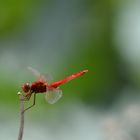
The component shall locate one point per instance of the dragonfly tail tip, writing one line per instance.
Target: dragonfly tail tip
(85, 71)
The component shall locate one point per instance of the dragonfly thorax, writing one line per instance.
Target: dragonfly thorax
(38, 87)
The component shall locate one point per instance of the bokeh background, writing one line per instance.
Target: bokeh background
(61, 37)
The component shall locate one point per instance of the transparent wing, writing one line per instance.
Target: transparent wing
(37, 74)
(52, 96)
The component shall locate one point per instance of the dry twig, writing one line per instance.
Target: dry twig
(21, 129)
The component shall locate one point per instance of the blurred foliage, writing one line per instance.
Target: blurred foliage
(93, 48)
(15, 14)
(63, 37)
(97, 53)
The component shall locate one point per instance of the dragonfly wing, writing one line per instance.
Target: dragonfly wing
(37, 74)
(48, 76)
(52, 96)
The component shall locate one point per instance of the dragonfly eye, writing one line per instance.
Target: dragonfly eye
(26, 87)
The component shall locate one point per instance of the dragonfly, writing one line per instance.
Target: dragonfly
(52, 91)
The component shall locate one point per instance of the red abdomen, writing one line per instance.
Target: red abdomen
(38, 87)
(67, 79)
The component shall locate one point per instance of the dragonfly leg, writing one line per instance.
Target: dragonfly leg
(26, 97)
(33, 102)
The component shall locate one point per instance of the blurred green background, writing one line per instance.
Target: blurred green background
(61, 37)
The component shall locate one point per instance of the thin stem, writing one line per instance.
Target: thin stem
(21, 129)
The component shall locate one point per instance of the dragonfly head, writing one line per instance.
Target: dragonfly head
(26, 87)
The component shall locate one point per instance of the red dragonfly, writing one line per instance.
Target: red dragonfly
(52, 91)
